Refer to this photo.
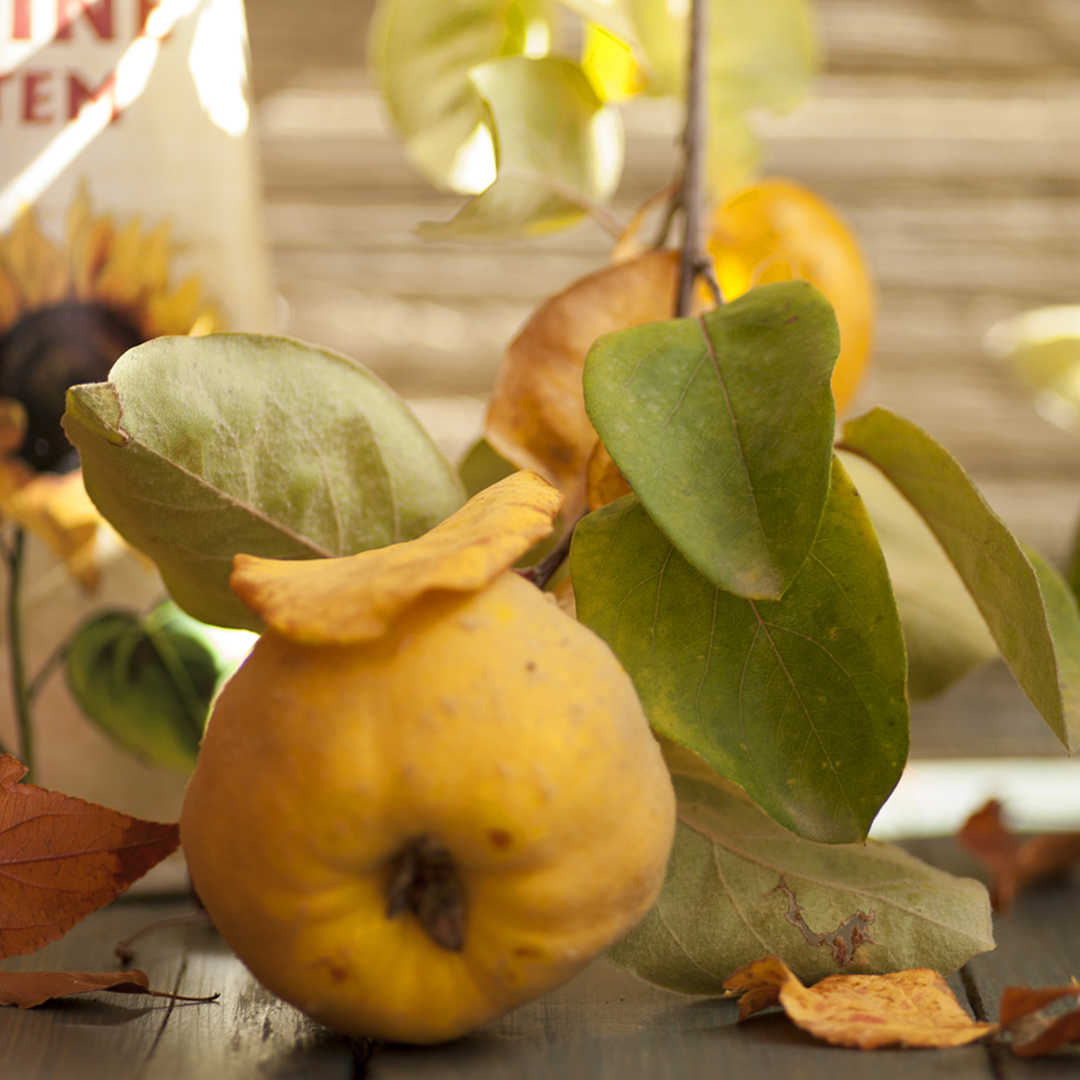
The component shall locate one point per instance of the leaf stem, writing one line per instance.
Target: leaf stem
(20, 696)
(695, 261)
(543, 571)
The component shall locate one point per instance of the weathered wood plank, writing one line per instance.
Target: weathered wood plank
(246, 1032)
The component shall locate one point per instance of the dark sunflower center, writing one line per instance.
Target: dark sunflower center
(46, 351)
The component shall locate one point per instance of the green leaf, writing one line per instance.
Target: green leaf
(482, 466)
(559, 150)
(147, 682)
(199, 448)
(723, 426)
(1027, 608)
(740, 887)
(799, 701)
(422, 53)
(945, 634)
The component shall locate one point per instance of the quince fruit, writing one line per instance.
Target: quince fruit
(428, 795)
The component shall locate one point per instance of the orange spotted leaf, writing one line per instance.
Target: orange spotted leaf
(62, 858)
(912, 1008)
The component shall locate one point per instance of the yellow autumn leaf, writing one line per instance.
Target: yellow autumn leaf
(536, 417)
(356, 598)
(604, 483)
(913, 1008)
(777, 230)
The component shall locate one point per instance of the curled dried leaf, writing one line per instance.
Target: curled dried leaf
(912, 1008)
(1015, 863)
(355, 598)
(536, 417)
(1034, 1026)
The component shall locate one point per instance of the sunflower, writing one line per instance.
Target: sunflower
(66, 314)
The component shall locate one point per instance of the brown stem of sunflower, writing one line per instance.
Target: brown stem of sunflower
(20, 695)
(695, 261)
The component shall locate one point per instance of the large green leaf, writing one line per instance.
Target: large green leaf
(723, 426)
(740, 887)
(559, 150)
(199, 448)
(1028, 609)
(945, 634)
(146, 681)
(422, 53)
(799, 701)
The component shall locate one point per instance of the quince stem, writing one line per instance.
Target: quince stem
(424, 881)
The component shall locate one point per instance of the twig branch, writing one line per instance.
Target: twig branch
(19, 697)
(543, 571)
(695, 260)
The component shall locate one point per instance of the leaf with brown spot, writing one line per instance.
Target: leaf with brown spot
(355, 598)
(536, 417)
(1015, 863)
(62, 858)
(912, 1008)
(27, 989)
(1034, 1026)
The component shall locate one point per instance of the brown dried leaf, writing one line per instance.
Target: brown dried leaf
(912, 1008)
(1015, 863)
(1035, 1030)
(536, 417)
(62, 858)
(26, 989)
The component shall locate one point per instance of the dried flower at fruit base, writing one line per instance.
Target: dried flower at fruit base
(66, 313)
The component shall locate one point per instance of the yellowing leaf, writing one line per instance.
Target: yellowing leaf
(536, 417)
(559, 150)
(604, 483)
(777, 230)
(904, 1008)
(610, 64)
(355, 598)
(421, 54)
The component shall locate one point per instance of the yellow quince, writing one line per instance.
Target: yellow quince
(429, 795)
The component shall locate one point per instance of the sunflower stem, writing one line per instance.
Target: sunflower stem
(20, 691)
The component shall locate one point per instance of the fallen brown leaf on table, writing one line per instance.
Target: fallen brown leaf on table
(912, 1008)
(1015, 863)
(26, 989)
(1035, 1029)
(62, 858)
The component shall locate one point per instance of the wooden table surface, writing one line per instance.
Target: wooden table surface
(948, 132)
(603, 1025)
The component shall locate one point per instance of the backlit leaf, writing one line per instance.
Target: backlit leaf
(536, 417)
(799, 701)
(198, 448)
(352, 599)
(912, 1008)
(723, 426)
(64, 858)
(740, 887)
(1028, 607)
(944, 633)
(422, 53)
(610, 65)
(146, 681)
(558, 150)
